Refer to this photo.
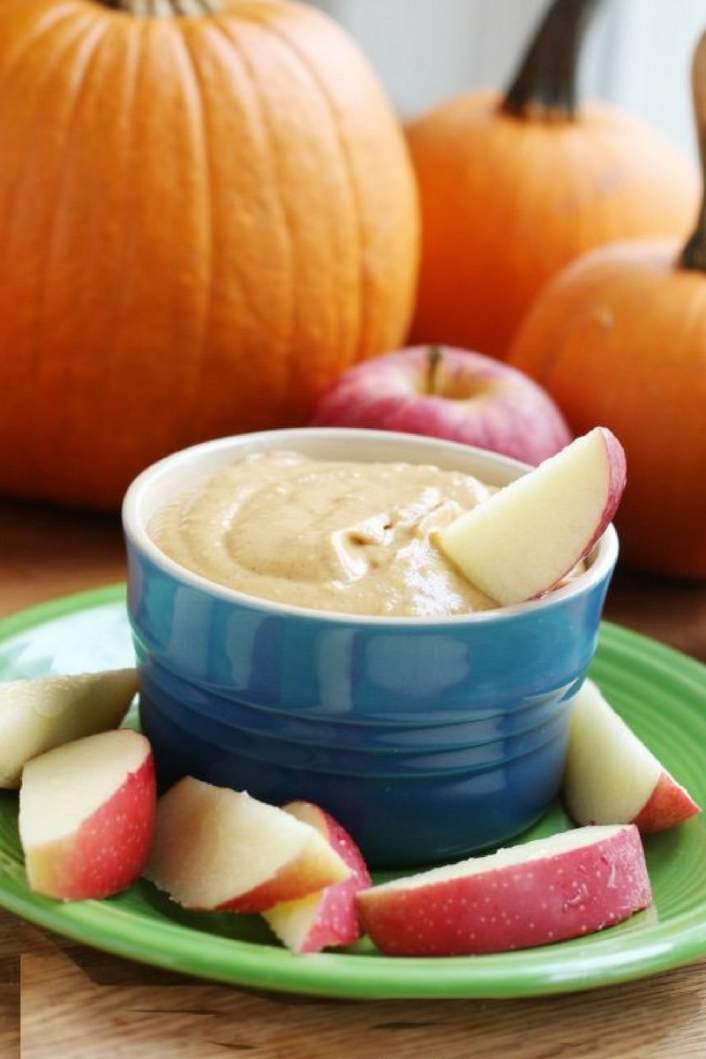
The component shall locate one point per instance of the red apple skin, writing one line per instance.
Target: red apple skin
(668, 806)
(335, 921)
(564, 896)
(108, 851)
(476, 401)
(617, 480)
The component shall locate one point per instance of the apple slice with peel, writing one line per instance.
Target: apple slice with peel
(328, 917)
(216, 848)
(548, 890)
(527, 536)
(612, 778)
(87, 815)
(36, 715)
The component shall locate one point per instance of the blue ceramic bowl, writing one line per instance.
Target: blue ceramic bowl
(426, 739)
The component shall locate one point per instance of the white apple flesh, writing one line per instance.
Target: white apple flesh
(87, 815)
(216, 848)
(36, 715)
(545, 891)
(612, 778)
(448, 393)
(526, 537)
(329, 917)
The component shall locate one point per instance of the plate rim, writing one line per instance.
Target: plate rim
(178, 947)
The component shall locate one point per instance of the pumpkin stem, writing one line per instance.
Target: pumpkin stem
(544, 87)
(165, 8)
(435, 356)
(694, 253)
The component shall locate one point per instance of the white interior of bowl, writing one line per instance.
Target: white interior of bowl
(177, 474)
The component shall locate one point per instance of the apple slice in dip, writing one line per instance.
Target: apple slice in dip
(525, 538)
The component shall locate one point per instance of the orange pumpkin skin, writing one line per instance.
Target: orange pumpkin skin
(508, 201)
(204, 221)
(619, 338)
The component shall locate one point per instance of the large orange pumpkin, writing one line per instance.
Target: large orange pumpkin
(207, 212)
(620, 338)
(513, 188)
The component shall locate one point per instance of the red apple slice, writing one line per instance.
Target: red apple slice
(36, 715)
(216, 848)
(612, 778)
(545, 891)
(87, 815)
(328, 917)
(527, 536)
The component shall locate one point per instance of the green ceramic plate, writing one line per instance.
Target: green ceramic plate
(661, 693)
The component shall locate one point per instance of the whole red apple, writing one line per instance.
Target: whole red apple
(452, 394)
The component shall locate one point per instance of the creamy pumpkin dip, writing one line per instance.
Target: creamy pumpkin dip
(336, 536)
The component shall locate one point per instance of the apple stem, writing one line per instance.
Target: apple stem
(544, 87)
(435, 356)
(693, 255)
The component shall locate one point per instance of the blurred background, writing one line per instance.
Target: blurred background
(638, 52)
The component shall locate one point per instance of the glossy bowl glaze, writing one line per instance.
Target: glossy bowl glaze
(428, 739)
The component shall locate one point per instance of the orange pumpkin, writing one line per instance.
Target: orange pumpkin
(514, 188)
(620, 338)
(207, 213)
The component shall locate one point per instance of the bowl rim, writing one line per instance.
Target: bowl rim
(605, 551)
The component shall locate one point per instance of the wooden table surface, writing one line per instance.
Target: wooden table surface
(60, 1000)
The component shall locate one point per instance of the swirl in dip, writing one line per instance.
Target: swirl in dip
(336, 536)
